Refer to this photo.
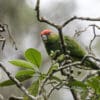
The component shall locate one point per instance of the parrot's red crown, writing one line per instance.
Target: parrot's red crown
(46, 32)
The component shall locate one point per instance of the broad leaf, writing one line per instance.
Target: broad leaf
(53, 67)
(33, 56)
(24, 64)
(21, 76)
(33, 89)
(94, 83)
(78, 84)
(25, 73)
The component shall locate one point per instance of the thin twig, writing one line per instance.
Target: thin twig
(62, 40)
(55, 87)
(3, 40)
(95, 35)
(46, 79)
(77, 62)
(89, 56)
(42, 19)
(11, 37)
(77, 33)
(15, 98)
(90, 45)
(2, 29)
(74, 94)
(58, 86)
(80, 18)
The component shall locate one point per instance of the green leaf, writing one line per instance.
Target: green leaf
(21, 76)
(24, 64)
(33, 56)
(53, 67)
(33, 89)
(84, 94)
(94, 83)
(24, 73)
(78, 84)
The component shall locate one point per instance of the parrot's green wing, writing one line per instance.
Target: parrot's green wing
(75, 49)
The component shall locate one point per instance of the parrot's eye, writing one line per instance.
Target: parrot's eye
(44, 37)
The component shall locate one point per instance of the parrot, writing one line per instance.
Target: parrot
(51, 41)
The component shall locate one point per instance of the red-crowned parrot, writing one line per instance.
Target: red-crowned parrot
(52, 43)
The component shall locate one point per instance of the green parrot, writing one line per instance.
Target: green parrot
(52, 43)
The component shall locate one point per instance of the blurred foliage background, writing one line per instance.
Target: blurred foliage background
(21, 19)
